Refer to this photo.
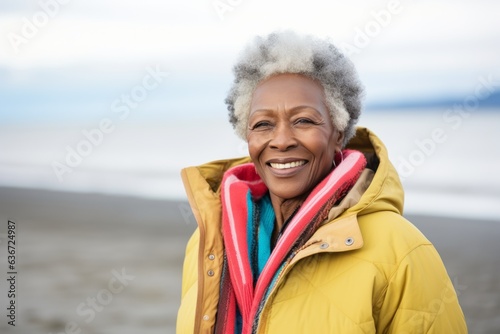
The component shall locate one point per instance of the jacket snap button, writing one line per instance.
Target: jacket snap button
(206, 317)
(211, 257)
(324, 245)
(349, 241)
(210, 272)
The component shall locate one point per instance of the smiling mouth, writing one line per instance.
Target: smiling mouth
(287, 165)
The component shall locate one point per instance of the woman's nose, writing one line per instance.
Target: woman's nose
(283, 138)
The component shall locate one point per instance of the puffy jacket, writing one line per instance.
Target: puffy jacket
(365, 270)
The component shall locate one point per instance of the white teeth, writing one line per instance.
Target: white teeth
(287, 165)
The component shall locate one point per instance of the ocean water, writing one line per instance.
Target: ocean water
(448, 161)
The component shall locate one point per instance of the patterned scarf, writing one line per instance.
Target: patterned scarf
(250, 268)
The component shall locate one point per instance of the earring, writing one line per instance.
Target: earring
(341, 158)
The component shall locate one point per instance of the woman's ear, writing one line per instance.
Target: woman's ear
(340, 139)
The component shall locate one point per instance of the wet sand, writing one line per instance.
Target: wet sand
(112, 264)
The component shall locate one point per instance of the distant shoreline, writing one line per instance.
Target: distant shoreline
(490, 103)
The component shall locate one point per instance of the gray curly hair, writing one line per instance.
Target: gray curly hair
(287, 52)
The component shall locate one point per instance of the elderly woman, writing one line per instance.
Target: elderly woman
(306, 235)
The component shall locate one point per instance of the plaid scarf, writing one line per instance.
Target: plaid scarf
(250, 268)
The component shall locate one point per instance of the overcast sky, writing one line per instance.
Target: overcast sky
(402, 49)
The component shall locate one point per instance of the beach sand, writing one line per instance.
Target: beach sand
(112, 264)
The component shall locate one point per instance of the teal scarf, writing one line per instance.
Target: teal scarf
(260, 225)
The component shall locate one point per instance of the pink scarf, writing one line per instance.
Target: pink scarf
(237, 281)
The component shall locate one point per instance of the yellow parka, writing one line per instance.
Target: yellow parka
(365, 270)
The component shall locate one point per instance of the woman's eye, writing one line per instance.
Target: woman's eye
(261, 125)
(304, 121)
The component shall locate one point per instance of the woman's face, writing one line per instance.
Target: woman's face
(291, 137)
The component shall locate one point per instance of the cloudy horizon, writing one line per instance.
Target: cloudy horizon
(69, 60)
